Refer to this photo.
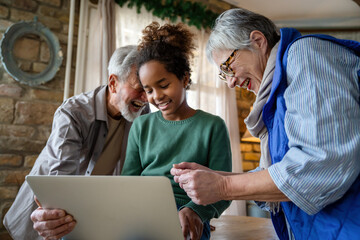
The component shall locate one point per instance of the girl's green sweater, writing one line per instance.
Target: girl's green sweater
(155, 144)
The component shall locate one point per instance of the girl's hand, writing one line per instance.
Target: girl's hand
(191, 224)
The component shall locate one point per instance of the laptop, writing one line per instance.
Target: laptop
(112, 207)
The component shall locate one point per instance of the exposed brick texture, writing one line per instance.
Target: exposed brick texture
(10, 160)
(10, 90)
(30, 160)
(27, 49)
(28, 5)
(6, 110)
(34, 112)
(26, 112)
(55, 3)
(4, 12)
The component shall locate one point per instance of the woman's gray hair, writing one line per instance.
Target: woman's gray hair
(121, 62)
(232, 31)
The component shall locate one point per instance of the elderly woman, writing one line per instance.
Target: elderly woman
(307, 117)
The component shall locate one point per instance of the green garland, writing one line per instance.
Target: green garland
(190, 13)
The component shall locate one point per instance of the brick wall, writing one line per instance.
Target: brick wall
(26, 112)
(250, 151)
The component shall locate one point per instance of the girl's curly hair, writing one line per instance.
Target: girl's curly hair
(171, 45)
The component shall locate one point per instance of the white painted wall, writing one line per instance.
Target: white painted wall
(311, 13)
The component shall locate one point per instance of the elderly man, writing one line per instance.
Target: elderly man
(89, 137)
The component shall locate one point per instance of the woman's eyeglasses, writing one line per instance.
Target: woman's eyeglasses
(225, 69)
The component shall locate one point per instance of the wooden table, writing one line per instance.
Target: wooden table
(242, 227)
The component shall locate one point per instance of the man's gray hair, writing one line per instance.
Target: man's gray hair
(232, 31)
(121, 62)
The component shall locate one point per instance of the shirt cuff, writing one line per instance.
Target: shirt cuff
(276, 173)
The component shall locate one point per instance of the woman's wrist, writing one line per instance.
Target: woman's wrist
(226, 187)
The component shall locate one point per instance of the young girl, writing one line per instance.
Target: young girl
(177, 132)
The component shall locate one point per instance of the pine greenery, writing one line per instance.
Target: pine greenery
(191, 13)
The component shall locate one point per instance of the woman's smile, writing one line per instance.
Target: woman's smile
(246, 84)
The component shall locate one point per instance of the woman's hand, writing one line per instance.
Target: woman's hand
(191, 224)
(186, 167)
(202, 186)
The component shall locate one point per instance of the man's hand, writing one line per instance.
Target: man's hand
(52, 223)
(191, 224)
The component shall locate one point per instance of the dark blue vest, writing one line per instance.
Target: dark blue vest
(339, 220)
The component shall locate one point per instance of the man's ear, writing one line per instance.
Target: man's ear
(112, 83)
(259, 41)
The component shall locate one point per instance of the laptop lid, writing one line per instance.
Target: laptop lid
(112, 207)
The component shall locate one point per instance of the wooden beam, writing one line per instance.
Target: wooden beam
(357, 1)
